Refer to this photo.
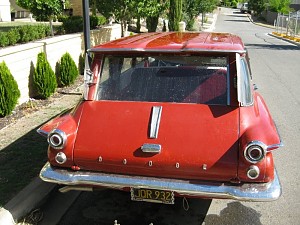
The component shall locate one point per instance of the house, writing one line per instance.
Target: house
(5, 11)
(295, 4)
(10, 10)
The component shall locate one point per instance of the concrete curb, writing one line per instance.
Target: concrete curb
(285, 39)
(270, 34)
(25, 201)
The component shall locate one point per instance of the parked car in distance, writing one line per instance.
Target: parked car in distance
(165, 115)
(244, 7)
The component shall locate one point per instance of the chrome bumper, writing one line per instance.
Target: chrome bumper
(245, 192)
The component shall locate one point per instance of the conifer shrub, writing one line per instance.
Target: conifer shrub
(4, 41)
(44, 80)
(9, 91)
(68, 71)
(81, 62)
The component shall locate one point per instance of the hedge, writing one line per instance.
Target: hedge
(23, 34)
(74, 24)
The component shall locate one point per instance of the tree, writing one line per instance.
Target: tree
(280, 6)
(43, 10)
(175, 14)
(149, 9)
(192, 8)
(120, 9)
(258, 6)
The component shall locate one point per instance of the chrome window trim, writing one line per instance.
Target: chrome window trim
(241, 65)
(228, 83)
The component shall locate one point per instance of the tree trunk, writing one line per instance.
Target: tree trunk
(51, 26)
(123, 27)
(152, 23)
(138, 24)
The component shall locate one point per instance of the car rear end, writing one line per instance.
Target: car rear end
(159, 123)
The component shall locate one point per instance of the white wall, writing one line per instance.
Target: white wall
(5, 11)
(20, 58)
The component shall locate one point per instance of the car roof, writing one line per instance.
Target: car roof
(175, 42)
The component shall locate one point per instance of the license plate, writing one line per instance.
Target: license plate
(152, 195)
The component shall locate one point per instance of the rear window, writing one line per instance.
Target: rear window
(179, 79)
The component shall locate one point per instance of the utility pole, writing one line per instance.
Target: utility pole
(86, 24)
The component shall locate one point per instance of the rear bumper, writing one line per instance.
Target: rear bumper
(245, 192)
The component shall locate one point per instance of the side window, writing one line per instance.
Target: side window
(245, 84)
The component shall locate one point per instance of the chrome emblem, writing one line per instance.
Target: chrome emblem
(155, 121)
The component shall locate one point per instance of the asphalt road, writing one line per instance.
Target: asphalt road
(276, 71)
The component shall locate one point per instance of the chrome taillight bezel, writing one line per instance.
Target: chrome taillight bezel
(257, 147)
(57, 139)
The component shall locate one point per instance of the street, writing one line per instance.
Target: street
(275, 68)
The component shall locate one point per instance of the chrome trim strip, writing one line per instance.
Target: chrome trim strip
(151, 148)
(74, 188)
(155, 121)
(271, 147)
(164, 50)
(42, 132)
(245, 192)
(228, 83)
(275, 146)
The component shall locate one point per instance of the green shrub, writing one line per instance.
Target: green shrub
(81, 62)
(9, 91)
(25, 34)
(62, 18)
(97, 21)
(101, 20)
(13, 36)
(67, 70)
(43, 31)
(4, 41)
(44, 79)
(73, 24)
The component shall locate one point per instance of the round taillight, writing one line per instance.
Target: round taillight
(253, 172)
(57, 139)
(255, 152)
(60, 158)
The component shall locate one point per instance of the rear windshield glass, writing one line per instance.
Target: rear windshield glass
(180, 79)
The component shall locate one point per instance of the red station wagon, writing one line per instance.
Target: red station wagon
(166, 115)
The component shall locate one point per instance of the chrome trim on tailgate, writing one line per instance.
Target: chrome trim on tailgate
(246, 192)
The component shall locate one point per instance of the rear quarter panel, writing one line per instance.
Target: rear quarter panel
(257, 124)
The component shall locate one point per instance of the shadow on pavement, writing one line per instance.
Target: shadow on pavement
(20, 162)
(244, 21)
(106, 206)
(272, 47)
(235, 214)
